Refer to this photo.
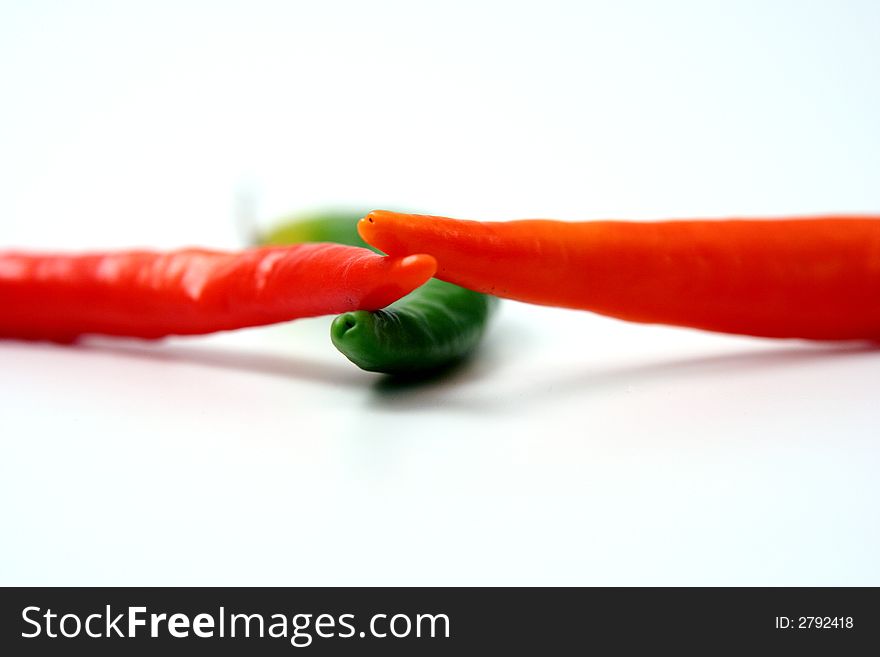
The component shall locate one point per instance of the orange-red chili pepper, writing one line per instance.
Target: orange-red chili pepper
(815, 278)
(146, 294)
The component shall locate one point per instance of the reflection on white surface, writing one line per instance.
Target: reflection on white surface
(575, 449)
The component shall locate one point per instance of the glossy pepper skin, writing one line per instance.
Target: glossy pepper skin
(147, 294)
(436, 325)
(814, 278)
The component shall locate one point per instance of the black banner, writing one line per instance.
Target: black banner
(407, 621)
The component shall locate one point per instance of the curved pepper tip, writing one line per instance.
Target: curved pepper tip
(379, 229)
(414, 269)
(376, 215)
(400, 276)
(352, 333)
(383, 216)
(343, 324)
(365, 225)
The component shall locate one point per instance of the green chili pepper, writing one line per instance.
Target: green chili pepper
(433, 327)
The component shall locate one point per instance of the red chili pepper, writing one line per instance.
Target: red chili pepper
(816, 278)
(150, 295)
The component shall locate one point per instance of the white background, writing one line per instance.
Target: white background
(574, 449)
